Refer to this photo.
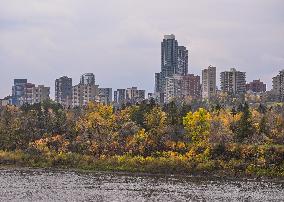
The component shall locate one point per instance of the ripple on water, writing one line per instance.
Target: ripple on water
(57, 185)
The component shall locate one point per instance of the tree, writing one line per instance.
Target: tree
(244, 127)
(197, 125)
(155, 125)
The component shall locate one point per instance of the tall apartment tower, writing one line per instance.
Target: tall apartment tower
(28, 94)
(18, 91)
(40, 93)
(209, 82)
(233, 82)
(256, 86)
(120, 96)
(181, 87)
(278, 86)
(182, 66)
(133, 95)
(105, 95)
(63, 91)
(86, 91)
(174, 61)
(87, 79)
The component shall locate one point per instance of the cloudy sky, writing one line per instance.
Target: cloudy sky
(119, 40)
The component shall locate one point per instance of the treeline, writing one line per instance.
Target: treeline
(239, 138)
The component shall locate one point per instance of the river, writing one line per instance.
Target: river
(61, 185)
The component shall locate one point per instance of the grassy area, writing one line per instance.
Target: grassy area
(171, 163)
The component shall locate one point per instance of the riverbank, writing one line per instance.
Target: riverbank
(170, 164)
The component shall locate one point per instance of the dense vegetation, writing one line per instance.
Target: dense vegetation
(146, 138)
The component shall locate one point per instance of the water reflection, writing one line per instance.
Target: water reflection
(55, 185)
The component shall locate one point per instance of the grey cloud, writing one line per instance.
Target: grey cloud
(119, 40)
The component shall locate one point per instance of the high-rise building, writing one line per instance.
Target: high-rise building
(133, 95)
(182, 67)
(28, 94)
(209, 82)
(86, 91)
(105, 95)
(233, 82)
(18, 91)
(174, 61)
(87, 79)
(83, 94)
(63, 91)
(278, 87)
(256, 86)
(120, 96)
(181, 87)
(40, 94)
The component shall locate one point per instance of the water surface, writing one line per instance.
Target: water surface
(58, 185)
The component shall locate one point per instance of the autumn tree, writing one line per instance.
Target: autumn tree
(197, 125)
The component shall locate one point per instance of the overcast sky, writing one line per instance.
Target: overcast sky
(119, 40)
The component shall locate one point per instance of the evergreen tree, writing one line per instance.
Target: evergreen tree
(244, 127)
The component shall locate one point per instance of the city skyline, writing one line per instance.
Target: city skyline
(42, 41)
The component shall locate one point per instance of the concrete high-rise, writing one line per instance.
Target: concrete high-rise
(256, 86)
(208, 82)
(181, 87)
(63, 91)
(40, 93)
(182, 66)
(120, 96)
(18, 91)
(233, 82)
(86, 91)
(87, 79)
(278, 87)
(134, 95)
(174, 61)
(105, 95)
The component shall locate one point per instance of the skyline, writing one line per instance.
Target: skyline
(120, 44)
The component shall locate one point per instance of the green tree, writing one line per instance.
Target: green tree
(244, 127)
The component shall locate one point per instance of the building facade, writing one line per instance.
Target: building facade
(28, 94)
(120, 96)
(256, 86)
(233, 82)
(182, 64)
(18, 91)
(181, 87)
(83, 94)
(134, 95)
(278, 87)
(209, 82)
(87, 79)
(174, 61)
(40, 93)
(63, 91)
(105, 95)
